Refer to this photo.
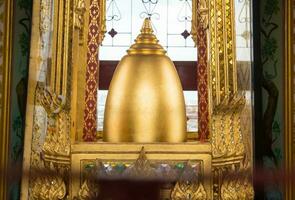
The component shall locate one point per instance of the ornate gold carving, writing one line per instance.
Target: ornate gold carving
(235, 182)
(53, 125)
(57, 142)
(48, 183)
(230, 178)
(188, 191)
(227, 103)
(189, 185)
(203, 12)
(48, 188)
(52, 103)
(49, 173)
(222, 51)
(45, 16)
(227, 138)
(232, 187)
(142, 167)
(90, 187)
(88, 191)
(200, 17)
(79, 22)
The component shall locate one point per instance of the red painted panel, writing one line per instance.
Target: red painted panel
(187, 71)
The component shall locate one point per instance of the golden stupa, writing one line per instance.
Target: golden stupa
(145, 102)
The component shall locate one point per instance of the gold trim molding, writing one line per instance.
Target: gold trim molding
(5, 96)
(289, 112)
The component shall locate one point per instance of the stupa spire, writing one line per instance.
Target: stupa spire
(146, 42)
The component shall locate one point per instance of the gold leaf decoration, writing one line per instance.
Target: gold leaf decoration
(188, 191)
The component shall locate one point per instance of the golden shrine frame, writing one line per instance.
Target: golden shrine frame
(55, 140)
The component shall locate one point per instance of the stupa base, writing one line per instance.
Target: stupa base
(162, 170)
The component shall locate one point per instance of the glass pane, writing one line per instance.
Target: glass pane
(179, 54)
(243, 29)
(244, 57)
(171, 23)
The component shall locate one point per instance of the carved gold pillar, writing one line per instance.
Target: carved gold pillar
(226, 101)
(222, 50)
(231, 165)
(47, 142)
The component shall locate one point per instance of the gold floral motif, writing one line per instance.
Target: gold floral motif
(57, 141)
(47, 184)
(142, 167)
(233, 185)
(227, 139)
(88, 191)
(48, 188)
(188, 191)
(51, 102)
(232, 177)
(90, 188)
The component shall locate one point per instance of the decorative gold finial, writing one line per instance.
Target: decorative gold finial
(146, 42)
(147, 27)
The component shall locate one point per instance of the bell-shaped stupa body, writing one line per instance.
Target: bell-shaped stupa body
(145, 102)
